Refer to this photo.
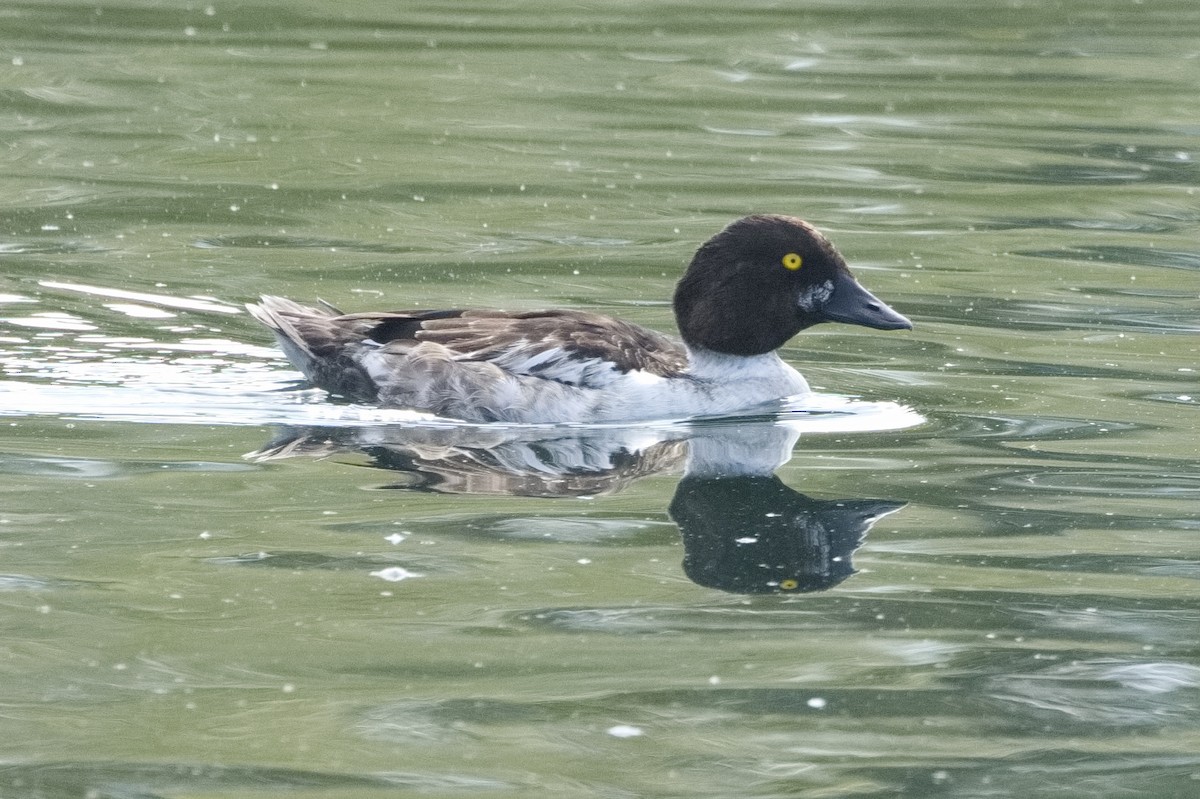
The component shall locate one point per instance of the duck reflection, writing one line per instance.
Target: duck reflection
(754, 535)
(744, 530)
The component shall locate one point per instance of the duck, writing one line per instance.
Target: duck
(746, 292)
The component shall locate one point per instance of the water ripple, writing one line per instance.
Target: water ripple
(1138, 256)
(1107, 483)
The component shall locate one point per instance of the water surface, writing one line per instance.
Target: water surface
(981, 557)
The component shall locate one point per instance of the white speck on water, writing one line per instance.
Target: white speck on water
(816, 703)
(797, 64)
(394, 574)
(394, 538)
(749, 539)
(625, 731)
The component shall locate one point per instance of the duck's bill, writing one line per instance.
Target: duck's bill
(854, 305)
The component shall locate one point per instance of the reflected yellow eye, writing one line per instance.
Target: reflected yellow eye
(789, 585)
(792, 262)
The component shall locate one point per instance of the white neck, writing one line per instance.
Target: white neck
(767, 368)
(704, 364)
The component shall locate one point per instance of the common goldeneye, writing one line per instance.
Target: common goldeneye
(748, 289)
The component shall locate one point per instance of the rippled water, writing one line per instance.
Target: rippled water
(968, 568)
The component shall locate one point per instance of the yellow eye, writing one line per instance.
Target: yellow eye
(792, 262)
(790, 585)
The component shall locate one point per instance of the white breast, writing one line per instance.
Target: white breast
(714, 384)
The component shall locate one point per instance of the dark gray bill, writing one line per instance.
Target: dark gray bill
(854, 305)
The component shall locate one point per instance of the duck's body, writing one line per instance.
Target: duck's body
(747, 291)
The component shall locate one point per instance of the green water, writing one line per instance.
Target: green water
(387, 612)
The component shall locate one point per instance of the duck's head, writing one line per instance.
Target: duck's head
(765, 278)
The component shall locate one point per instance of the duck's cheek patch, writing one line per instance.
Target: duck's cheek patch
(813, 297)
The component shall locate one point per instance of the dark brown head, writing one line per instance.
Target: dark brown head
(765, 278)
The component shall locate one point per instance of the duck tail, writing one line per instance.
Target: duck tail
(293, 325)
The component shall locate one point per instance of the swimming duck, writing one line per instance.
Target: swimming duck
(748, 289)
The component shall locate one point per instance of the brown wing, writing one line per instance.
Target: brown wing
(557, 345)
(487, 335)
(574, 347)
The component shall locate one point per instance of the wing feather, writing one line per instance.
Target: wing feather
(574, 347)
